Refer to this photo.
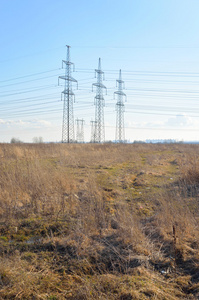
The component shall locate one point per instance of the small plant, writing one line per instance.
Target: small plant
(52, 298)
(3, 238)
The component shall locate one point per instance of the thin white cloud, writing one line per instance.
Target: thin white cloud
(181, 121)
(45, 123)
(25, 124)
(178, 121)
(145, 124)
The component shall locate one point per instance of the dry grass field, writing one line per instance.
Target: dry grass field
(95, 221)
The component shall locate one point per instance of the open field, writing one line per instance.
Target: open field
(97, 221)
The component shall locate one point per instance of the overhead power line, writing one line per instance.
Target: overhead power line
(146, 93)
(29, 75)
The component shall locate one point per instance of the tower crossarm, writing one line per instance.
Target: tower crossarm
(67, 62)
(68, 78)
(100, 85)
(120, 93)
(119, 81)
(99, 97)
(99, 71)
(68, 92)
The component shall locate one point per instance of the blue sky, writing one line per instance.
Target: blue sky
(154, 42)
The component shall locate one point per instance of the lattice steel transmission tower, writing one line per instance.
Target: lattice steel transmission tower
(80, 131)
(93, 131)
(99, 106)
(120, 132)
(68, 119)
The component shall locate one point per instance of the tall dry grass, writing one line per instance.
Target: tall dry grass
(76, 219)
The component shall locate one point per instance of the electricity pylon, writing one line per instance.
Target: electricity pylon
(120, 134)
(68, 119)
(99, 105)
(80, 131)
(93, 131)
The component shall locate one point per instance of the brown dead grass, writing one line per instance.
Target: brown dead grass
(96, 221)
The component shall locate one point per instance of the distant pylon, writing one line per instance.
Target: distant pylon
(80, 131)
(93, 131)
(68, 119)
(99, 106)
(120, 132)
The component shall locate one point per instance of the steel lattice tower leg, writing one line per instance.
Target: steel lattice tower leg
(99, 106)
(93, 131)
(68, 119)
(80, 131)
(120, 134)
